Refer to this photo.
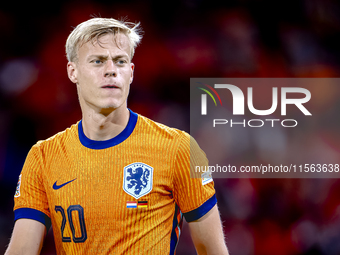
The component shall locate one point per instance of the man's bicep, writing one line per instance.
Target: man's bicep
(27, 237)
(207, 233)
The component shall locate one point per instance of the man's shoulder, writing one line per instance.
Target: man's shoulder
(152, 127)
(59, 137)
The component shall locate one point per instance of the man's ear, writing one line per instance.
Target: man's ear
(72, 72)
(132, 69)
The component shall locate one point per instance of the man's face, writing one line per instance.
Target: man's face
(103, 73)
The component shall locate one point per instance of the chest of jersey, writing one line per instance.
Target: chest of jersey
(114, 190)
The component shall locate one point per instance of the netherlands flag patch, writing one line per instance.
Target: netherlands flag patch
(131, 204)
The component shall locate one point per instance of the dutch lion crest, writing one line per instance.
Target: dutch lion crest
(137, 179)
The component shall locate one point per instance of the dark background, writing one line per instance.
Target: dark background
(183, 39)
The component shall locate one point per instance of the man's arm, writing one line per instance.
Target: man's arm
(207, 234)
(27, 237)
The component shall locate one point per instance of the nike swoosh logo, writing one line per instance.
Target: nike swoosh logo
(55, 186)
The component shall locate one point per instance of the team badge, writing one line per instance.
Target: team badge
(138, 179)
(17, 191)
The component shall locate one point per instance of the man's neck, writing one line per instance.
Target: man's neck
(100, 127)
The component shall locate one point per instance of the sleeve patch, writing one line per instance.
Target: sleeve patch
(206, 178)
(17, 191)
(202, 210)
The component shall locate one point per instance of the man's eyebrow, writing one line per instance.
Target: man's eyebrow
(106, 56)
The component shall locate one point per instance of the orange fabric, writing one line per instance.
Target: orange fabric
(95, 189)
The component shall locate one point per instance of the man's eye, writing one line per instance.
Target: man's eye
(121, 62)
(97, 61)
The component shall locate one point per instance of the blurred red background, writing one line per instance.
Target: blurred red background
(183, 39)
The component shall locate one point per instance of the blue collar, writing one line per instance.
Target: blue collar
(98, 145)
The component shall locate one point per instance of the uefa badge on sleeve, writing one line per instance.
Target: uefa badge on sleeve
(17, 191)
(206, 178)
(137, 179)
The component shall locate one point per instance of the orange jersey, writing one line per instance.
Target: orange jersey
(126, 195)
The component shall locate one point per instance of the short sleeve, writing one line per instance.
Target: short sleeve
(30, 199)
(193, 192)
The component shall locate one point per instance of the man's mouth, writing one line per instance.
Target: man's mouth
(109, 86)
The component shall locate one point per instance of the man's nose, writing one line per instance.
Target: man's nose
(110, 69)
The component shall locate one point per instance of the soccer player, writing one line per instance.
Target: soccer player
(115, 182)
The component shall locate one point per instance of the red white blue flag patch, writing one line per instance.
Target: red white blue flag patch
(131, 204)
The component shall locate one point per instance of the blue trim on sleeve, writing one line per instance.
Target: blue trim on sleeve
(202, 210)
(98, 145)
(175, 224)
(33, 214)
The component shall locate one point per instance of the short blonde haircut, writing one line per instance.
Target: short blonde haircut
(93, 28)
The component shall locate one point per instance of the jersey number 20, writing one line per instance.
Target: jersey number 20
(70, 209)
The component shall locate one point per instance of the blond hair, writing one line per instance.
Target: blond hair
(93, 28)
